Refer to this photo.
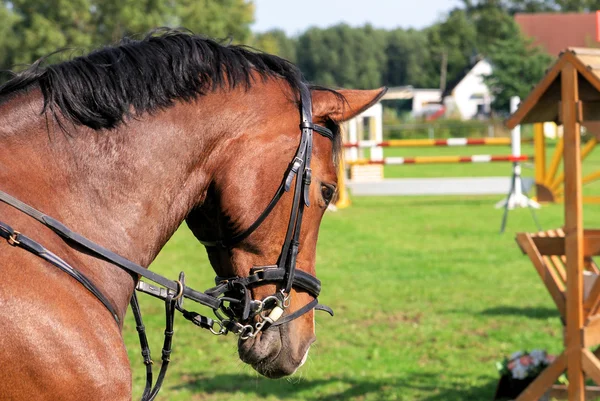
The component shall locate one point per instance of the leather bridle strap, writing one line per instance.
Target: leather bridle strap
(72, 237)
(303, 280)
(290, 247)
(17, 239)
(285, 270)
(150, 392)
(283, 188)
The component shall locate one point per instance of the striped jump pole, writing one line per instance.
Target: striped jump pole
(417, 143)
(442, 160)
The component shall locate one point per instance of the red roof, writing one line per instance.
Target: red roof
(557, 31)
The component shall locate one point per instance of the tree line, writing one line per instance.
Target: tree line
(366, 57)
(338, 56)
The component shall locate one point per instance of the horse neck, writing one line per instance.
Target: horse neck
(127, 189)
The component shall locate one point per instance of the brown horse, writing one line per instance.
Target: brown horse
(122, 146)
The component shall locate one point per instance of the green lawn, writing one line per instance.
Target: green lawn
(427, 297)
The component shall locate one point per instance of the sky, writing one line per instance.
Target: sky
(295, 16)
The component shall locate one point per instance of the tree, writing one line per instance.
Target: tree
(406, 53)
(115, 19)
(221, 19)
(454, 39)
(517, 64)
(578, 5)
(38, 27)
(343, 56)
(535, 6)
(8, 42)
(276, 42)
(44, 26)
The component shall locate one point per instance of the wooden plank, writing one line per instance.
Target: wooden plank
(590, 265)
(588, 111)
(539, 144)
(593, 298)
(549, 277)
(555, 260)
(591, 200)
(584, 70)
(587, 149)
(591, 365)
(556, 245)
(591, 331)
(535, 95)
(573, 231)
(559, 392)
(593, 302)
(555, 162)
(595, 176)
(584, 51)
(545, 380)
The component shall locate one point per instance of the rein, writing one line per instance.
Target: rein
(230, 299)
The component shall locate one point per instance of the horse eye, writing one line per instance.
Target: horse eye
(327, 192)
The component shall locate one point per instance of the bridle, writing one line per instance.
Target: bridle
(285, 269)
(230, 299)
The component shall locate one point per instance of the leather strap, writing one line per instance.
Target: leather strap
(314, 304)
(72, 237)
(22, 241)
(283, 187)
(150, 392)
(303, 280)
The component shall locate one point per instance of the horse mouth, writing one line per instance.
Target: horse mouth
(270, 355)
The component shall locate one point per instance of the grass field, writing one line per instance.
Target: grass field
(427, 297)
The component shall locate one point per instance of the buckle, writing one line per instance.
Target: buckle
(12, 239)
(306, 125)
(180, 288)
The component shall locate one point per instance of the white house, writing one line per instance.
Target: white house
(425, 102)
(468, 96)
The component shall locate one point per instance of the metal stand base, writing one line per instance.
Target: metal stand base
(516, 198)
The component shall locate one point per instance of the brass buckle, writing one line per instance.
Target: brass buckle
(180, 289)
(12, 239)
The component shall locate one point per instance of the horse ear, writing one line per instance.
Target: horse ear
(326, 105)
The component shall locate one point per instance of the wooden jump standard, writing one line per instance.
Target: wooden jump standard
(568, 94)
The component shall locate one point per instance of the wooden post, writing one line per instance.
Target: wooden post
(573, 232)
(539, 143)
(343, 200)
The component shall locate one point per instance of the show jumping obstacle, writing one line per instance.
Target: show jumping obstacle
(442, 160)
(550, 185)
(405, 143)
(369, 171)
(568, 94)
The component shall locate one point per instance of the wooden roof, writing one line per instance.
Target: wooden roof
(543, 101)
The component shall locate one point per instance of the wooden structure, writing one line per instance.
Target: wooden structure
(569, 94)
(550, 185)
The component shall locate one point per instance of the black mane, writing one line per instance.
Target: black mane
(102, 89)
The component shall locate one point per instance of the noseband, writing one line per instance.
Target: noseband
(230, 299)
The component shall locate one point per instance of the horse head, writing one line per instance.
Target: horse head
(244, 185)
(124, 144)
